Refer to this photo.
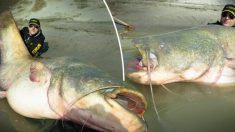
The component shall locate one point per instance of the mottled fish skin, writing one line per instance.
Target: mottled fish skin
(204, 54)
(64, 88)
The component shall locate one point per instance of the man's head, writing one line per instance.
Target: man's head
(228, 15)
(34, 26)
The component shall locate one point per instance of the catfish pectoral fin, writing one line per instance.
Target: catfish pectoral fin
(38, 72)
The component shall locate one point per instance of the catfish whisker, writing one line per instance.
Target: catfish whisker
(105, 98)
(150, 83)
(99, 89)
(146, 123)
(170, 91)
(62, 122)
(73, 102)
(83, 125)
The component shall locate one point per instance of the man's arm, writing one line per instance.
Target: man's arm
(36, 49)
(38, 45)
(23, 31)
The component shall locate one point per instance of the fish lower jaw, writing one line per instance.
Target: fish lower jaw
(155, 77)
(108, 117)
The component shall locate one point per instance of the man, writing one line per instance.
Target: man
(227, 16)
(33, 38)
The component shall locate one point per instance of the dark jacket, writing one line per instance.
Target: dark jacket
(33, 43)
(215, 23)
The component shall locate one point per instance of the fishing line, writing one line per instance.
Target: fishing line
(174, 31)
(150, 83)
(118, 38)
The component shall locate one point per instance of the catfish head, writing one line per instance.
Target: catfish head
(93, 98)
(146, 66)
(64, 88)
(151, 67)
(196, 55)
(77, 92)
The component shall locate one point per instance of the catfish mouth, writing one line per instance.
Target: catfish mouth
(130, 100)
(118, 109)
(142, 64)
(148, 60)
(129, 107)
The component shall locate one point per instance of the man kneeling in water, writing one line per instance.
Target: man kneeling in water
(227, 16)
(33, 38)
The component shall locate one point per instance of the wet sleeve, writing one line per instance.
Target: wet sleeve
(215, 23)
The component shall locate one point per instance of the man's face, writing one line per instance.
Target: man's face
(33, 29)
(227, 19)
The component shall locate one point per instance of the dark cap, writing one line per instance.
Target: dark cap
(34, 21)
(229, 8)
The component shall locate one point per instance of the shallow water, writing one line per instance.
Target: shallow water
(191, 108)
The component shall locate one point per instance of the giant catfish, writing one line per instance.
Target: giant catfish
(204, 54)
(64, 88)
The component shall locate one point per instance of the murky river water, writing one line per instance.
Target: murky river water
(191, 108)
